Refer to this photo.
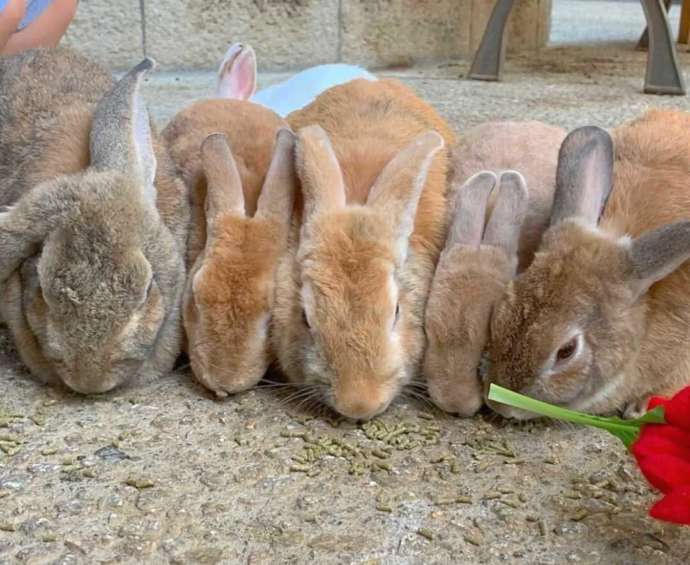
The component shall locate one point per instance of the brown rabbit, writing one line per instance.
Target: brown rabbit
(600, 320)
(348, 319)
(242, 201)
(480, 258)
(92, 244)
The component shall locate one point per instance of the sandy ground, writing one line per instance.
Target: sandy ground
(159, 472)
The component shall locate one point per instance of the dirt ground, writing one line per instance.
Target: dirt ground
(160, 472)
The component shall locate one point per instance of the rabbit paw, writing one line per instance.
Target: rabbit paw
(635, 409)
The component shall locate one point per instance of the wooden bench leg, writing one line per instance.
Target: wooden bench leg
(684, 27)
(488, 60)
(663, 75)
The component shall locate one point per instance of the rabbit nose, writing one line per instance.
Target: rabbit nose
(362, 406)
(90, 385)
(96, 376)
(460, 394)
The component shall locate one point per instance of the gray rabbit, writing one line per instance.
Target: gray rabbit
(93, 224)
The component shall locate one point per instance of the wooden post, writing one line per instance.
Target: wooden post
(684, 27)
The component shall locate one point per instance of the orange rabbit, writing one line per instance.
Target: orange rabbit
(351, 289)
(237, 159)
(600, 320)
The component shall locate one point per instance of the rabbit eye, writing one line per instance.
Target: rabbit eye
(567, 351)
(305, 319)
(397, 313)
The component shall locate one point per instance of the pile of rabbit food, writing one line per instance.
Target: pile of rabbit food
(335, 228)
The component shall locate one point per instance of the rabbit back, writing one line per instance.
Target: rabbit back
(45, 95)
(530, 147)
(368, 123)
(250, 130)
(302, 88)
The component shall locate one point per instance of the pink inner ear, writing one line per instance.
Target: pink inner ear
(237, 78)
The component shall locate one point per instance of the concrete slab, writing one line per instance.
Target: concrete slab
(402, 32)
(285, 35)
(110, 32)
(292, 34)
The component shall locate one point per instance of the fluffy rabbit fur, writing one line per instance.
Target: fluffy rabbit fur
(480, 257)
(351, 290)
(600, 320)
(242, 203)
(91, 249)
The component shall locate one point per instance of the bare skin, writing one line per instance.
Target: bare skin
(44, 31)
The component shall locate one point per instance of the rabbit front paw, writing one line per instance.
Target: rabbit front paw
(635, 409)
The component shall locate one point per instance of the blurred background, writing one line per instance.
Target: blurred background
(292, 34)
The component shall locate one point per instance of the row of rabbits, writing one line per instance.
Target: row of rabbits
(338, 251)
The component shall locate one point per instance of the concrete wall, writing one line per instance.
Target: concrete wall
(291, 34)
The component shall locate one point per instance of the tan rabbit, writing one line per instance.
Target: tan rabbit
(242, 200)
(351, 290)
(92, 245)
(601, 319)
(477, 261)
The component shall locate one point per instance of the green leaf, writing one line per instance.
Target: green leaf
(625, 430)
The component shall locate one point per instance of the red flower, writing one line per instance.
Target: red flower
(663, 454)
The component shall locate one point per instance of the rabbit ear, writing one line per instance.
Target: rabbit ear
(237, 73)
(121, 132)
(322, 181)
(505, 223)
(584, 175)
(398, 187)
(278, 193)
(223, 183)
(656, 254)
(467, 223)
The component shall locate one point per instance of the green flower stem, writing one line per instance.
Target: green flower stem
(625, 430)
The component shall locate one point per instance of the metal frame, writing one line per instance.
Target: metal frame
(663, 74)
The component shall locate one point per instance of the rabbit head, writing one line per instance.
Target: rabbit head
(91, 277)
(351, 304)
(230, 289)
(567, 327)
(237, 73)
(473, 270)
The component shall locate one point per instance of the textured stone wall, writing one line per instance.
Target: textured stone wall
(291, 34)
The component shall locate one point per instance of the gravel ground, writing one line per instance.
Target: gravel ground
(160, 472)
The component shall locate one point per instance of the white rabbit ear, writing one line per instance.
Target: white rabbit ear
(322, 181)
(237, 73)
(223, 183)
(121, 137)
(399, 186)
(467, 222)
(584, 175)
(503, 228)
(656, 254)
(278, 193)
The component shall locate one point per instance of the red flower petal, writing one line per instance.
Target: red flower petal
(655, 401)
(674, 507)
(677, 409)
(661, 438)
(665, 471)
